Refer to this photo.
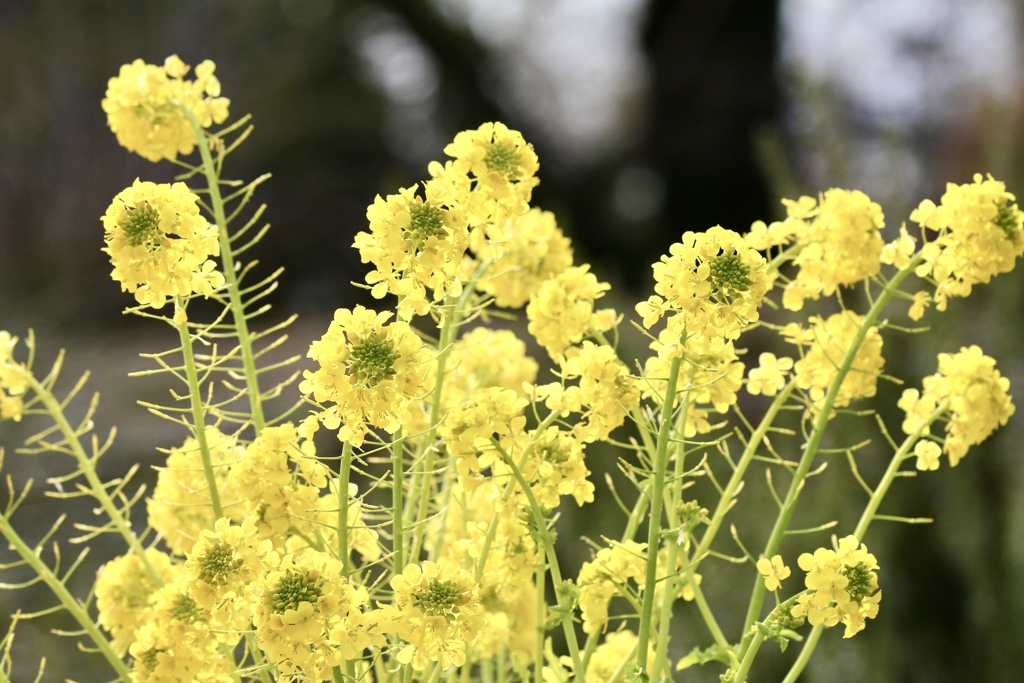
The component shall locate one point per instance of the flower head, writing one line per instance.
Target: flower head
(159, 244)
(561, 312)
(13, 379)
(369, 370)
(502, 162)
(123, 588)
(146, 106)
(843, 586)
(980, 234)
(774, 571)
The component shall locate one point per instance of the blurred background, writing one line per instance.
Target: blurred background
(650, 118)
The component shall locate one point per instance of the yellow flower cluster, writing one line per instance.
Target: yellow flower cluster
(484, 358)
(556, 468)
(471, 429)
(980, 234)
(179, 508)
(823, 345)
(437, 612)
(370, 371)
(838, 240)
(710, 376)
(415, 244)
(504, 166)
(712, 284)
(302, 611)
(148, 106)
(524, 252)
(608, 573)
(123, 589)
(13, 379)
(561, 312)
(972, 396)
(843, 586)
(159, 244)
(508, 592)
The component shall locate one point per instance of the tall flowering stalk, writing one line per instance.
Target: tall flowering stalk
(429, 546)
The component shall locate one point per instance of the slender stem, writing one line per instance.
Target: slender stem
(74, 608)
(654, 521)
(805, 655)
(230, 274)
(748, 658)
(811, 447)
(85, 464)
(344, 473)
(538, 662)
(198, 413)
(397, 492)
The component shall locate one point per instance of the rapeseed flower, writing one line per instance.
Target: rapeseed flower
(123, 590)
(839, 242)
(561, 312)
(13, 379)
(843, 586)
(370, 371)
(146, 105)
(974, 397)
(774, 571)
(769, 377)
(712, 284)
(471, 429)
(159, 244)
(824, 345)
(437, 612)
(503, 164)
(607, 574)
(980, 235)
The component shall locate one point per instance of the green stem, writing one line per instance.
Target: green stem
(85, 465)
(811, 447)
(748, 658)
(541, 606)
(230, 274)
(198, 412)
(344, 473)
(70, 604)
(654, 521)
(397, 513)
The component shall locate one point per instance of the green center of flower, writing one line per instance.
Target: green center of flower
(185, 609)
(148, 660)
(218, 563)
(860, 581)
(503, 159)
(142, 225)
(439, 599)
(550, 452)
(372, 359)
(1006, 219)
(729, 275)
(425, 221)
(293, 589)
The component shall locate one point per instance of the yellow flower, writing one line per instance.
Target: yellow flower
(980, 234)
(824, 345)
(843, 586)
(278, 482)
(146, 105)
(485, 358)
(606, 389)
(503, 163)
(769, 377)
(177, 644)
(13, 380)
(525, 251)
(221, 567)
(301, 602)
(610, 655)
(159, 244)
(839, 241)
(469, 429)
(561, 312)
(180, 505)
(123, 589)
(927, 453)
(709, 376)
(974, 398)
(437, 612)
(369, 370)
(712, 281)
(608, 573)
(774, 571)
(900, 250)
(556, 468)
(414, 244)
